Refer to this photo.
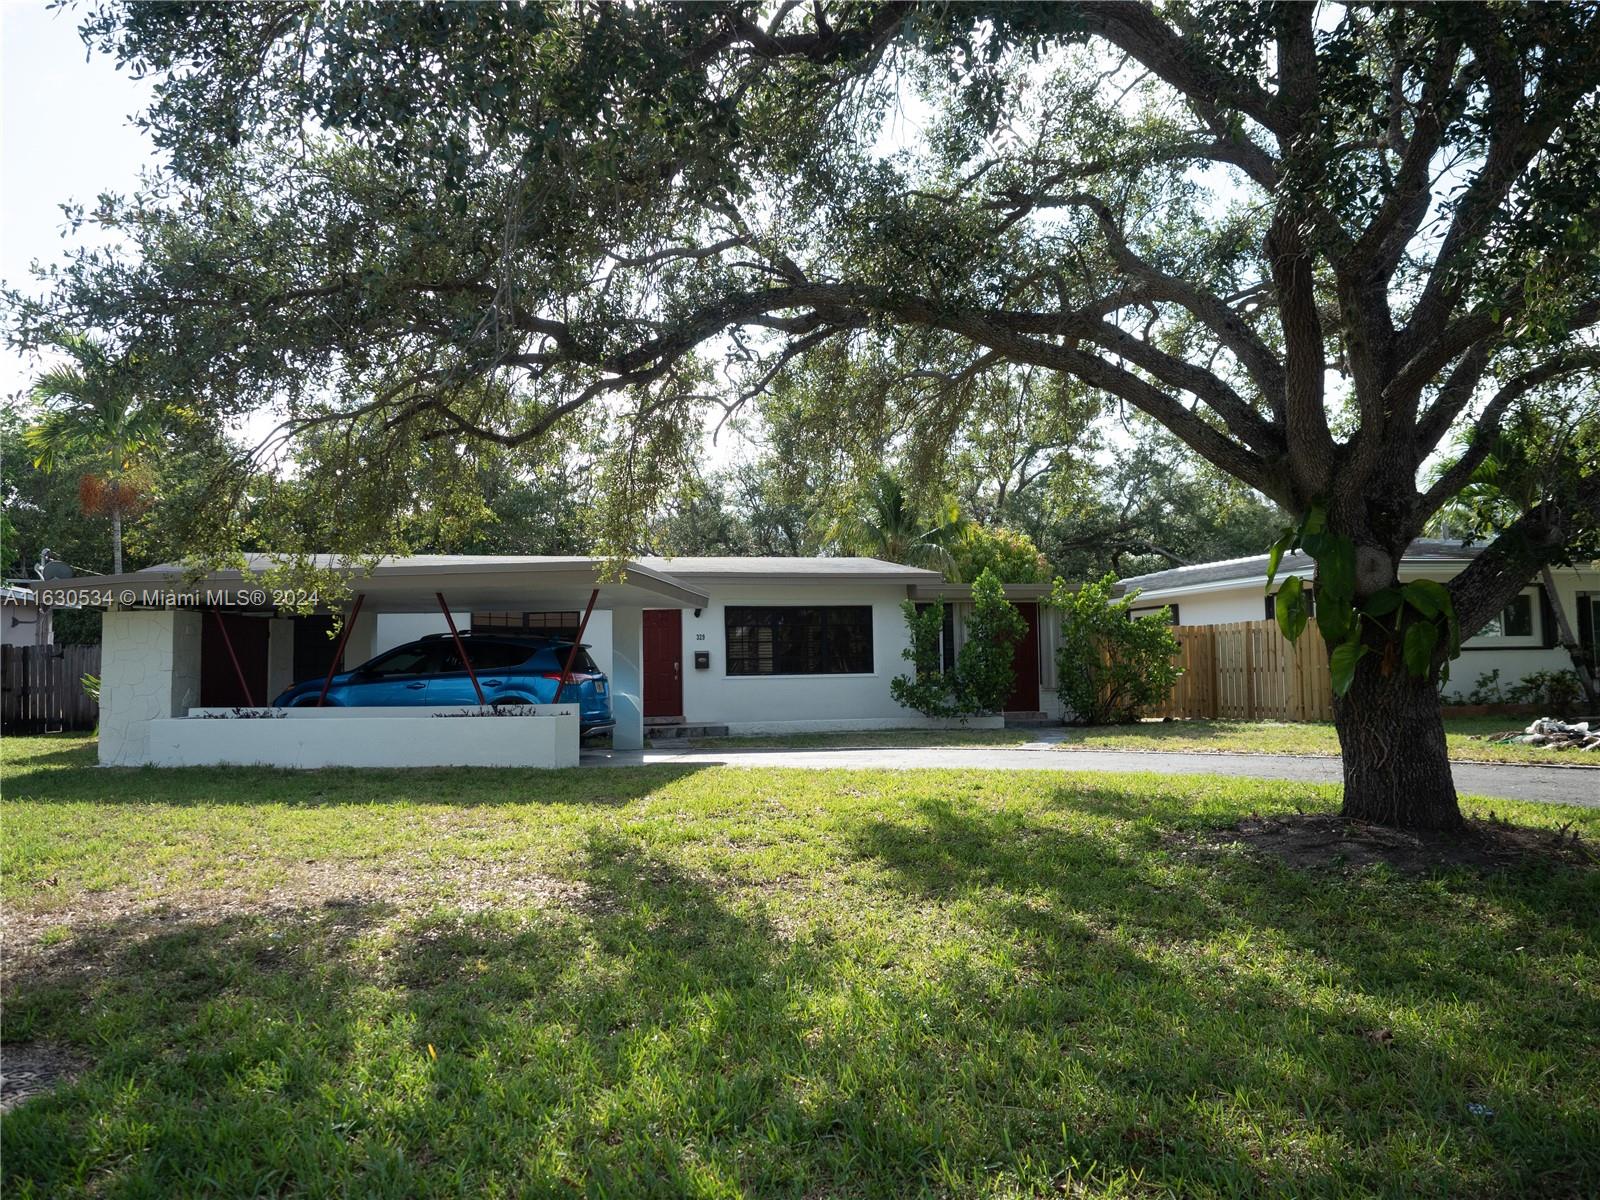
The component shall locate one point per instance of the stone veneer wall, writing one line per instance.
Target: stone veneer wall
(149, 669)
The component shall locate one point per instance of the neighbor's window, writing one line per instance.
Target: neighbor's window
(810, 640)
(1514, 620)
(1272, 604)
(1172, 613)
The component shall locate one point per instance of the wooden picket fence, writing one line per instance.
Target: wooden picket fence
(41, 688)
(1248, 671)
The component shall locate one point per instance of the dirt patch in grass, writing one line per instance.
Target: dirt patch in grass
(1322, 841)
(30, 1069)
(50, 940)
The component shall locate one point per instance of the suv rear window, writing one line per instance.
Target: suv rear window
(582, 664)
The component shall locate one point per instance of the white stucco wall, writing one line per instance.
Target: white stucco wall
(149, 669)
(794, 703)
(1220, 606)
(24, 625)
(280, 656)
(396, 629)
(539, 736)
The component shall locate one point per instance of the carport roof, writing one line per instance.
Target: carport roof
(794, 570)
(469, 581)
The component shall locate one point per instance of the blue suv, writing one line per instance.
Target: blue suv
(511, 670)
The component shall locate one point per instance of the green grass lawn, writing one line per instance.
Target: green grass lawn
(1468, 738)
(714, 982)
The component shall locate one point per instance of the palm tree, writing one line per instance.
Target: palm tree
(892, 529)
(92, 420)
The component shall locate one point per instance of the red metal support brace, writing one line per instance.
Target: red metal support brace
(227, 641)
(572, 655)
(460, 649)
(338, 652)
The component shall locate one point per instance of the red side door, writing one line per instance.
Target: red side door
(663, 662)
(1025, 662)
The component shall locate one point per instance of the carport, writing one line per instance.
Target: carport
(168, 632)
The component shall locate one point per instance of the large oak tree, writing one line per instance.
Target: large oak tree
(1311, 241)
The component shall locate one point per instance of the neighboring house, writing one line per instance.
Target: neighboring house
(22, 621)
(1521, 640)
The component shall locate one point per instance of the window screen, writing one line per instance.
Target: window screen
(947, 636)
(810, 640)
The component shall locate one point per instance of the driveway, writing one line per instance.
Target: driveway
(1551, 785)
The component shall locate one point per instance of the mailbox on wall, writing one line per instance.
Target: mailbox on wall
(702, 660)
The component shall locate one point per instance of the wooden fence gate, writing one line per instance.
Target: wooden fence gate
(1248, 671)
(41, 688)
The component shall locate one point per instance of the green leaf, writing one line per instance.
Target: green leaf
(1290, 608)
(1420, 641)
(1336, 568)
(1342, 665)
(1427, 596)
(1275, 553)
(1382, 603)
(1316, 519)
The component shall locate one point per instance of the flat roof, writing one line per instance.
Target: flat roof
(795, 570)
(405, 584)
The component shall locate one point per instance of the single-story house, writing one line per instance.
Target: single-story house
(1523, 639)
(748, 645)
(786, 645)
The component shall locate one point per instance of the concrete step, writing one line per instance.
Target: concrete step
(681, 732)
(1029, 720)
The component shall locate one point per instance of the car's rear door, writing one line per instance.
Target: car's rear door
(493, 662)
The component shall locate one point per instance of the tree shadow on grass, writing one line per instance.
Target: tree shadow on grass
(1000, 1002)
(1365, 1002)
(463, 787)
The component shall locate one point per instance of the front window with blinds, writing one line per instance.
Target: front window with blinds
(809, 640)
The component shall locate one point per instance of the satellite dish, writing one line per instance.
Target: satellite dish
(55, 569)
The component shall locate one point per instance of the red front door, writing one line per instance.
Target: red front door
(1025, 662)
(663, 662)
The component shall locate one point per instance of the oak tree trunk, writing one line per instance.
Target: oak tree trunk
(1396, 767)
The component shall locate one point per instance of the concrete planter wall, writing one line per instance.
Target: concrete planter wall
(538, 736)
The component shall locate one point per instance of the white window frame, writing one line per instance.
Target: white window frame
(1500, 641)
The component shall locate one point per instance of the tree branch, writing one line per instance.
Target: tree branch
(1481, 441)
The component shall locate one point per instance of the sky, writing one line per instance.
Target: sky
(65, 136)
